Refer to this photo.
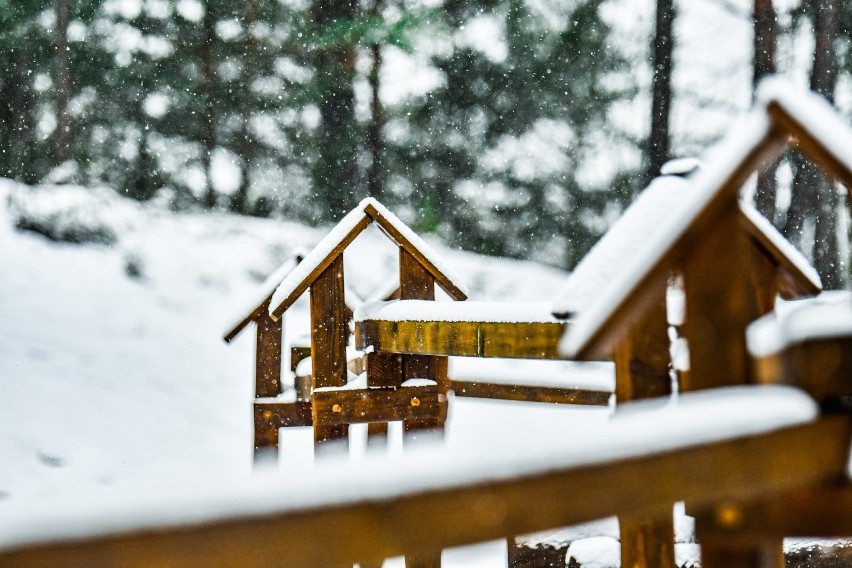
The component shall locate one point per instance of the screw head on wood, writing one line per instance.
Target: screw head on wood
(337, 408)
(415, 401)
(729, 515)
(267, 414)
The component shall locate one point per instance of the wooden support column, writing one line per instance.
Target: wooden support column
(642, 371)
(415, 283)
(267, 370)
(328, 342)
(716, 282)
(763, 283)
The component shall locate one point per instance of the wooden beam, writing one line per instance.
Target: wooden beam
(270, 416)
(524, 340)
(268, 348)
(362, 406)
(440, 278)
(449, 515)
(716, 283)
(648, 541)
(813, 511)
(328, 342)
(763, 283)
(528, 393)
(321, 268)
(642, 359)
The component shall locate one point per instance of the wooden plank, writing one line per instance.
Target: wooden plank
(424, 560)
(450, 515)
(322, 267)
(642, 359)
(648, 541)
(328, 342)
(652, 282)
(384, 369)
(362, 406)
(440, 278)
(814, 511)
(716, 288)
(527, 393)
(821, 367)
(763, 283)
(524, 340)
(270, 416)
(268, 348)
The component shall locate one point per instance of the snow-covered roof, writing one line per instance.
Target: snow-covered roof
(346, 230)
(826, 316)
(608, 258)
(783, 110)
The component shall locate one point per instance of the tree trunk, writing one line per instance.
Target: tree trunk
(246, 143)
(335, 175)
(661, 96)
(765, 35)
(208, 82)
(375, 177)
(814, 197)
(62, 82)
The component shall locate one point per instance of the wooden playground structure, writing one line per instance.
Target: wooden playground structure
(757, 444)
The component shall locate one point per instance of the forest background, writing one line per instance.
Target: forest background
(508, 127)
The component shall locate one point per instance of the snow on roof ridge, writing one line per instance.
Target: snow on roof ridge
(343, 227)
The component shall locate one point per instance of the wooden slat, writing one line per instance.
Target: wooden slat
(384, 369)
(527, 393)
(362, 406)
(337, 252)
(525, 340)
(648, 541)
(652, 283)
(270, 416)
(440, 278)
(328, 341)
(268, 348)
(447, 515)
(815, 511)
(642, 359)
(716, 282)
(763, 283)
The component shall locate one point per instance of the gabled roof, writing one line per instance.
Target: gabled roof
(643, 219)
(784, 115)
(334, 243)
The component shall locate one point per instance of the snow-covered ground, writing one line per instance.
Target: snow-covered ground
(113, 371)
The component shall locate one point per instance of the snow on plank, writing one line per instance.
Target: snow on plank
(471, 329)
(434, 498)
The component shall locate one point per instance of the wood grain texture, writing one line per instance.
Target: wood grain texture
(716, 283)
(648, 542)
(763, 284)
(270, 416)
(642, 359)
(321, 268)
(816, 511)
(526, 393)
(384, 369)
(328, 342)
(440, 278)
(743, 469)
(268, 349)
(362, 406)
(465, 339)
